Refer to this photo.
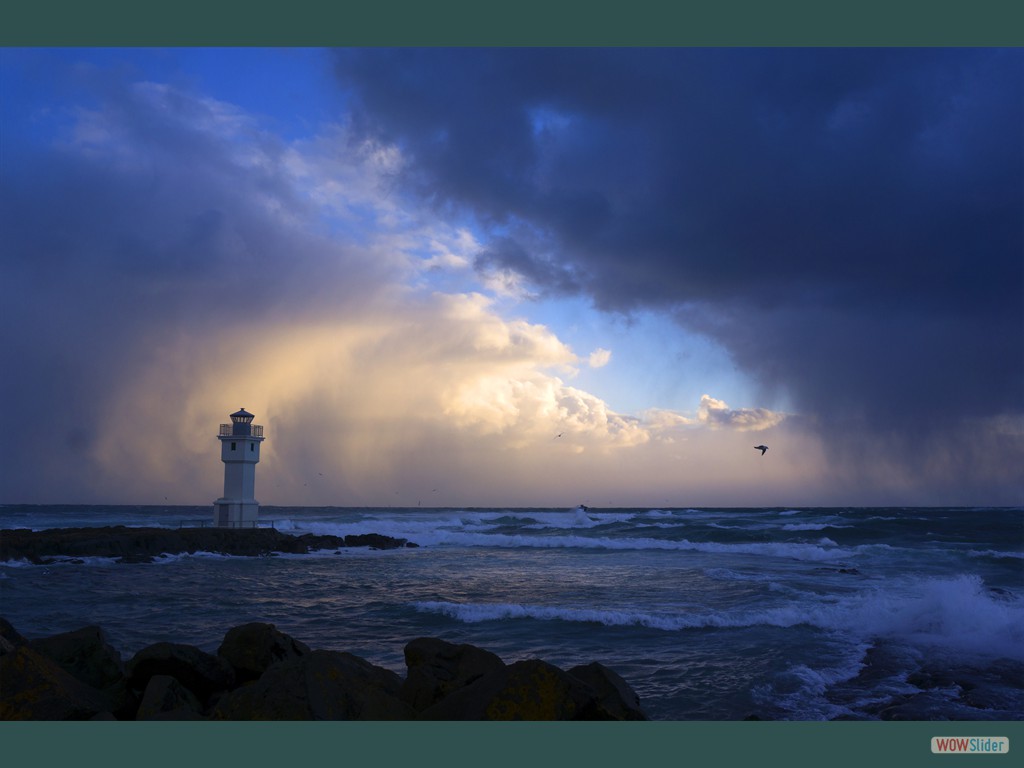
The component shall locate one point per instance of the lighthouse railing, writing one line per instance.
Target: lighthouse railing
(256, 430)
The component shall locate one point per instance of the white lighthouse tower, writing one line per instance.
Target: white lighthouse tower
(240, 451)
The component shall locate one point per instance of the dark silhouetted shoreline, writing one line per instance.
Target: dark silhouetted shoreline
(135, 545)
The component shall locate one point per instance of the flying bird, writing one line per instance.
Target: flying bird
(761, 448)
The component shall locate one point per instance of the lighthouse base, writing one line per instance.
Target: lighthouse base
(234, 513)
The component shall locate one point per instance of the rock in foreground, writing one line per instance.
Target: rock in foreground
(143, 544)
(260, 673)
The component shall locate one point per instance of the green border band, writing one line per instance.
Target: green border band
(495, 745)
(525, 22)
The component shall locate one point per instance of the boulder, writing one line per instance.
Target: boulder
(436, 668)
(615, 700)
(321, 685)
(10, 635)
(260, 673)
(252, 648)
(86, 654)
(526, 690)
(36, 688)
(202, 673)
(375, 541)
(167, 699)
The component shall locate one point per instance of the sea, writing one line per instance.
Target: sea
(709, 614)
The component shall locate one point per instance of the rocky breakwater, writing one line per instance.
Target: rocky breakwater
(133, 545)
(261, 673)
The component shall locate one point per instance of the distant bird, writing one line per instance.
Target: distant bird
(761, 448)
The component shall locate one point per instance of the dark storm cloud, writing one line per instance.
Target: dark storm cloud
(847, 223)
(504, 253)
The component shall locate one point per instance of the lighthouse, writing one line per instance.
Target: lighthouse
(240, 451)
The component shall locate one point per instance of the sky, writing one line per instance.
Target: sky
(514, 276)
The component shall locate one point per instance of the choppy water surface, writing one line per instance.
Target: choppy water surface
(710, 614)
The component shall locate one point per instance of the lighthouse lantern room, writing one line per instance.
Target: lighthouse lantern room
(240, 451)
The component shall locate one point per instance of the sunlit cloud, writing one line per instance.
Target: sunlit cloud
(717, 414)
(599, 358)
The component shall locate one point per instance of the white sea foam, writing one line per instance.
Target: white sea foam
(802, 692)
(958, 613)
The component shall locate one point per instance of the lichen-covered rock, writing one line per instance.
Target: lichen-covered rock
(167, 699)
(322, 685)
(615, 699)
(437, 668)
(253, 648)
(10, 634)
(202, 673)
(36, 688)
(86, 654)
(526, 690)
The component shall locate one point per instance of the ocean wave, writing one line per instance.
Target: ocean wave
(727, 574)
(995, 553)
(954, 613)
(802, 692)
(577, 519)
(471, 613)
(812, 526)
(450, 532)
(168, 558)
(747, 527)
(424, 526)
(822, 551)
(782, 616)
(958, 613)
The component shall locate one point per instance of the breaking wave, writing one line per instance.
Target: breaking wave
(955, 613)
